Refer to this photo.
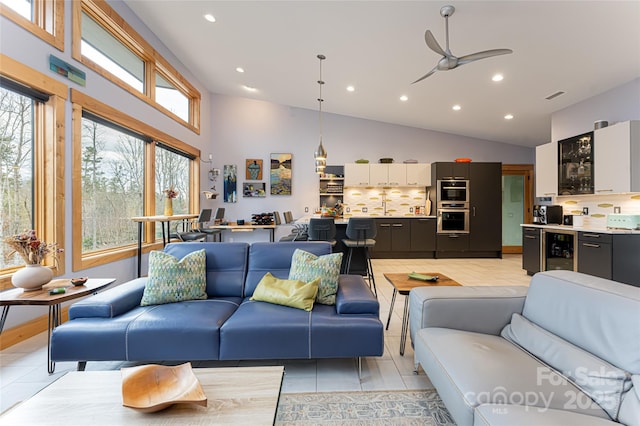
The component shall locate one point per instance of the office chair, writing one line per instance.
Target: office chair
(197, 231)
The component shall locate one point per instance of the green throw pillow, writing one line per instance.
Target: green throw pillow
(172, 280)
(293, 293)
(307, 267)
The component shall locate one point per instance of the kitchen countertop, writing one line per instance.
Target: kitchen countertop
(582, 229)
(345, 219)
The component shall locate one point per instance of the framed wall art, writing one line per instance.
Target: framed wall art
(230, 183)
(254, 189)
(254, 169)
(280, 174)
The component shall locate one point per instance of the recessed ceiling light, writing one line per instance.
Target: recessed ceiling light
(456, 107)
(240, 69)
(351, 89)
(209, 17)
(497, 77)
(508, 117)
(249, 88)
(404, 98)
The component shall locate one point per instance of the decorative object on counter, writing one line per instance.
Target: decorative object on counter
(410, 161)
(281, 173)
(423, 277)
(320, 155)
(170, 193)
(361, 161)
(600, 124)
(385, 160)
(254, 169)
(79, 281)
(230, 183)
(33, 252)
(151, 388)
(462, 160)
(254, 189)
(262, 219)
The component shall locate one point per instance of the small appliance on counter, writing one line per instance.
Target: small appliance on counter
(547, 215)
(623, 221)
(567, 219)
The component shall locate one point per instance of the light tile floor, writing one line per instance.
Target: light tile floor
(23, 369)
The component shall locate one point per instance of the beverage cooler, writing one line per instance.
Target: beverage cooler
(558, 250)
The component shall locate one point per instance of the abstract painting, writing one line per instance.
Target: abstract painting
(280, 174)
(230, 183)
(254, 189)
(254, 169)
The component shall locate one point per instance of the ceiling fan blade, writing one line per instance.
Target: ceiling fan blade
(426, 75)
(482, 55)
(433, 43)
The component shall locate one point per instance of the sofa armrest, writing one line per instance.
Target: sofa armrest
(480, 309)
(110, 303)
(355, 297)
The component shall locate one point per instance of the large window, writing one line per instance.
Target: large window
(43, 18)
(104, 41)
(31, 160)
(121, 168)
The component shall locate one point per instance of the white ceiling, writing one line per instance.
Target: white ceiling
(581, 47)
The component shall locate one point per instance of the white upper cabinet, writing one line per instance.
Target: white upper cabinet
(547, 170)
(617, 158)
(388, 174)
(356, 174)
(419, 174)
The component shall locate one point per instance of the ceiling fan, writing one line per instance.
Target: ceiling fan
(449, 61)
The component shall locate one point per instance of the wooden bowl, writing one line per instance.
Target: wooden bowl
(150, 388)
(79, 281)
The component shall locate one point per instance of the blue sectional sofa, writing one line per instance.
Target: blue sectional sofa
(227, 325)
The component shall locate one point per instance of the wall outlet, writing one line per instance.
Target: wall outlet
(306, 209)
(348, 209)
(365, 210)
(585, 211)
(616, 209)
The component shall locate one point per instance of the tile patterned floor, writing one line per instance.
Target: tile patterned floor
(23, 369)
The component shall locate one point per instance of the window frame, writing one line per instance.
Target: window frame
(47, 14)
(48, 159)
(80, 102)
(113, 23)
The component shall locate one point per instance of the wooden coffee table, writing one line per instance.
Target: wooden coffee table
(241, 395)
(17, 297)
(403, 284)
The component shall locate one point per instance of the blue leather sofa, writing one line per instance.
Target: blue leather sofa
(227, 326)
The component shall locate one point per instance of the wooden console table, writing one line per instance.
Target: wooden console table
(18, 296)
(164, 221)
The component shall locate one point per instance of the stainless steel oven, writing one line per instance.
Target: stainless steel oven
(452, 220)
(452, 191)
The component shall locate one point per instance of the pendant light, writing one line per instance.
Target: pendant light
(320, 154)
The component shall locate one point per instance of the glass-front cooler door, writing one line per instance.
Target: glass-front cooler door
(575, 168)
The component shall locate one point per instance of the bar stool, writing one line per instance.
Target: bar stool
(322, 230)
(361, 232)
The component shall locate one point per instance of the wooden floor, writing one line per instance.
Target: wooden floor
(23, 367)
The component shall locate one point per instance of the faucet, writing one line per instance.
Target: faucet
(384, 203)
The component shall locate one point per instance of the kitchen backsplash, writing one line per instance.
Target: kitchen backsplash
(371, 200)
(599, 206)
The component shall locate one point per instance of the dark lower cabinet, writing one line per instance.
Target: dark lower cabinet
(595, 254)
(405, 238)
(423, 234)
(531, 246)
(625, 255)
(451, 245)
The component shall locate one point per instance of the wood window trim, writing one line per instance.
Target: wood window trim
(49, 134)
(108, 18)
(82, 102)
(48, 14)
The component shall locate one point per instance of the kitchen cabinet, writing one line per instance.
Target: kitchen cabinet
(625, 267)
(531, 245)
(485, 208)
(387, 174)
(423, 234)
(547, 170)
(595, 254)
(575, 165)
(331, 186)
(449, 170)
(418, 174)
(451, 245)
(617, 158)
(393, 235)
(356, 174)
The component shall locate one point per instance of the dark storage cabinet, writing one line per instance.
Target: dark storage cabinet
(449, 245)
(595, 254)
(531, 243)
(449, 170)
(485, 208)
(393, 235)
(423, 234)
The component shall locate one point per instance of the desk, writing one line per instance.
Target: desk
(247, 228)
(235, 395)
(403, 284)
(42, 298)
(164, 220)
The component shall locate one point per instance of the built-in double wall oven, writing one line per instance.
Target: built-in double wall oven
(453, 206)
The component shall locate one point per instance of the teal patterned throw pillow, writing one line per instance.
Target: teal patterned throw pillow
(307, 267)
(172, 280)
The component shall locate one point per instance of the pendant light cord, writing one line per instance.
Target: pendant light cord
(320, 100)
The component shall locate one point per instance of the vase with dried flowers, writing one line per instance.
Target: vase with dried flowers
(33, 251)
(170, 194)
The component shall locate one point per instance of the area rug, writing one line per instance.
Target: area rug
(363, 408)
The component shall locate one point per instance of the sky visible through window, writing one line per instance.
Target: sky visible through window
(23, 7)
